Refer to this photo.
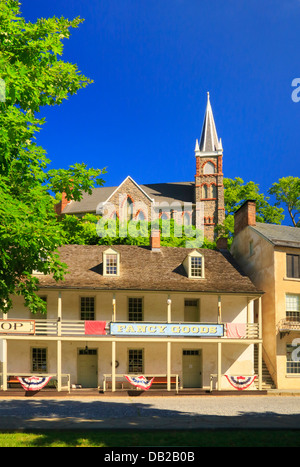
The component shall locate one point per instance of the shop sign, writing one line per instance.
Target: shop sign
(170, 330)
(13, 326)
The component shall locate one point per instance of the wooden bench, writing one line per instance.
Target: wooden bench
(121, 380)
(12, 380)
(163, 380)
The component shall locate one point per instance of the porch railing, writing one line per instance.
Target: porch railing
(120, 378)
(53, 327)
(65, 379)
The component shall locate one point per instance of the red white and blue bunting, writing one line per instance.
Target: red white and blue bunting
(241, 382)
(33, 383)
(140, 382)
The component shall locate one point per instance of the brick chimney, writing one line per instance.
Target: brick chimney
(61, 205)
(245, 216)
(155, 240)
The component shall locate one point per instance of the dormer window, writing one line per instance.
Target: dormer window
(111, 263)
(194, 265)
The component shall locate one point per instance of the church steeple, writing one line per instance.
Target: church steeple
(209, 141)
(209, 188)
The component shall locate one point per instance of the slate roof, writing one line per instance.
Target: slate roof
(169, 192)
(279, 235)
(143, 269)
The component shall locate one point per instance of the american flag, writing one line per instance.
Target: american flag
(140, 382)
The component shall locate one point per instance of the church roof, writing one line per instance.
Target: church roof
(159, 192)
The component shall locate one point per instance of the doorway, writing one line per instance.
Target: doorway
(87, 368)
(192, 368)
(191, 311)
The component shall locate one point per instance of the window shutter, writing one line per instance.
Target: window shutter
(289, 265)
(293, 266)
(297, 266)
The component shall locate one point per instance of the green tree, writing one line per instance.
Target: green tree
(34, 77)
(236, 193)
(287, 193)
(84, 231)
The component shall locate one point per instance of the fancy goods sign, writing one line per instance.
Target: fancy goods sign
(14, 326)
(171, 330)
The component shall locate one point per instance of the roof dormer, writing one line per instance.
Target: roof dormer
(194, 265)
(111, 263)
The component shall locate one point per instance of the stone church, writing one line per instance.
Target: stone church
(180, 201)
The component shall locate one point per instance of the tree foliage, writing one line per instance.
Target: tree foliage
(35, 76)
(86, 231)
(236, 193)
(287, 193)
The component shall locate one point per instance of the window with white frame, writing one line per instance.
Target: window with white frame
(194, 265)
(39, 360)
(135, 309)
(87, 308)
(292, 359)
(136, 361)
(292, 307)
(111, 263)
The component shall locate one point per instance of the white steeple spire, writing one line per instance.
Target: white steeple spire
(209, 141)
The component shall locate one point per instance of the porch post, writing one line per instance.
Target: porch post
(219, 365)
(260, 344)
(59, 365)
(4, 356)
(219, 310)
(59, 314)
(4, 365)
(113, 366)
(249, 311)
(169, 366)
(114, 308)
(169, 303)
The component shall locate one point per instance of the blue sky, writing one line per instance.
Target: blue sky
(153, 62)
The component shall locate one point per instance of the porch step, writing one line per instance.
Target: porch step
(267, 381)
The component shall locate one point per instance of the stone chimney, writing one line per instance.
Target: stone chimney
(155, 240)
(222, 243)
(245, 216)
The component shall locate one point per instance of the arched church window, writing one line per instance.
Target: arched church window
(141, 216)
(209, 168)
(129, 209)
(213, 191)
(204, 191)
(187, 219)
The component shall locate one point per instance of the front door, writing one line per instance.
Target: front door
(87, 368)
(192, 368)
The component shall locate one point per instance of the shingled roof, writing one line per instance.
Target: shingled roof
(167, 192)
(279, 235)
(143, 269)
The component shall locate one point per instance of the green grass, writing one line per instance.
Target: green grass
(197, 438)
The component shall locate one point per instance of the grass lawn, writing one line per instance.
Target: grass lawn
(197, 438)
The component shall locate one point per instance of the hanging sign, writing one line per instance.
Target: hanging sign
(171, 330)
(14, 326)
